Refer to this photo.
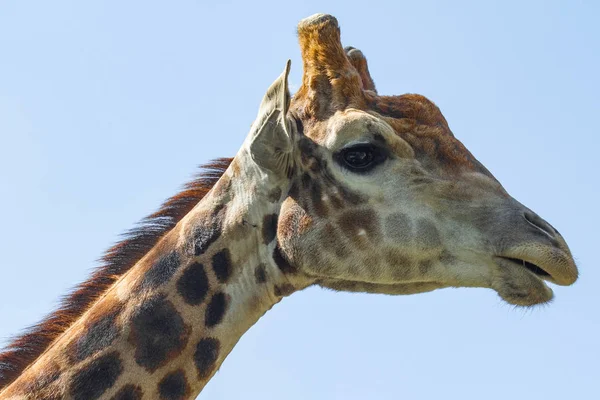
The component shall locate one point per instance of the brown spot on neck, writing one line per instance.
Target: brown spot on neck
(205, 357)
(260, 274)
(206, 230)
(215, 310)
(96, 377)
(100, 333)
(269, 228)
(174, 386)
(158, 333)
(222, 266)
(129, 392)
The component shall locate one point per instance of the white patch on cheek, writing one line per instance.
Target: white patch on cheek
(325, 197)
(362, 232)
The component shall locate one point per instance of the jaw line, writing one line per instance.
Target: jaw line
(400, 288)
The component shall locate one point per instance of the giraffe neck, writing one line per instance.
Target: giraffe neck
(165, 327)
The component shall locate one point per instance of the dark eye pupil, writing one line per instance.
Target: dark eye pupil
(358, 158)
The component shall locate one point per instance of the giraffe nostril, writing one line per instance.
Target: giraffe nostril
(539, 223)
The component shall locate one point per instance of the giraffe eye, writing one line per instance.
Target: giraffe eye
(361, 158)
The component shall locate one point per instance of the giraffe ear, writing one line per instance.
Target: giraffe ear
(271, 140)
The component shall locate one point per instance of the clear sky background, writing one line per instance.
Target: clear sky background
(106, 107)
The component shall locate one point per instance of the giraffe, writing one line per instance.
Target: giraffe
(338, 187)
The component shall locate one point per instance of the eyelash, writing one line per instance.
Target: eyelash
(371, 157)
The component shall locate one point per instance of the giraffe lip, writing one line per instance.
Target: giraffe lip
(531, 267)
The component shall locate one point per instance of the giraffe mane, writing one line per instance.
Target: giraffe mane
(23, 350)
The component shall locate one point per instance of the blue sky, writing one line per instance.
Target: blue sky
(107, 107)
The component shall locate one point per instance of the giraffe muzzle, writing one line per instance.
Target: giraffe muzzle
(544, 252)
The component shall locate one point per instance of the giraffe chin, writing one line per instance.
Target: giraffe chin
(519, 286)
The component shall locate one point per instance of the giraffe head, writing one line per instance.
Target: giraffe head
(383, 198)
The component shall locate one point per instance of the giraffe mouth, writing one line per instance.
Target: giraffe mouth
(533, 268)
(548, 263)
(521, 282)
